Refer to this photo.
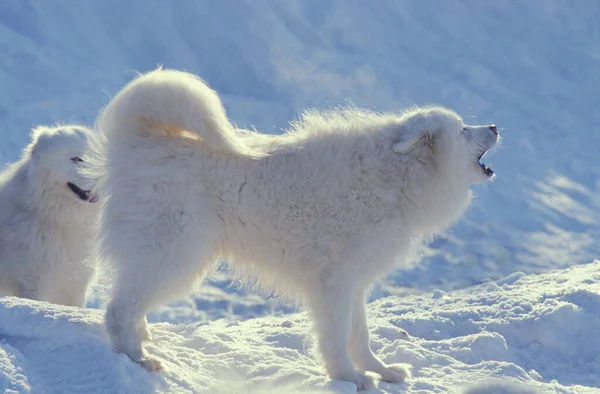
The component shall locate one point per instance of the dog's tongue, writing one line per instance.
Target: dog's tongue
(90, 197)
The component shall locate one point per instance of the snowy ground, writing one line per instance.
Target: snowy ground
(531, 67)
(537, 331)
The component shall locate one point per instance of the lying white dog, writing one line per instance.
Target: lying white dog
(47, 219)
(318, 213)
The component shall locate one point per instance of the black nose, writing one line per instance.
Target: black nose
(494, 129)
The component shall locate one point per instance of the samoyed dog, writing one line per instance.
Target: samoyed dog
(47, 217)
(317, 213)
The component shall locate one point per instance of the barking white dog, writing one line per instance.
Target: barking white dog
(47, 219)
(318, 213)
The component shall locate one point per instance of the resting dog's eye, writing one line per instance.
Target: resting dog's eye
(76, 159)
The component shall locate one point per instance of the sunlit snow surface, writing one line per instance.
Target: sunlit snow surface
(530, 67)
(538, 331)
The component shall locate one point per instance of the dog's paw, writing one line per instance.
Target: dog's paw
(396, 373)
(150, 364)
(362, 380)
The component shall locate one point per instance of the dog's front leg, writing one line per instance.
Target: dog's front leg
(360, 349)
(331, 307)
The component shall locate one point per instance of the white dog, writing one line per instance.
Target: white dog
(318, 213)
(47, 219)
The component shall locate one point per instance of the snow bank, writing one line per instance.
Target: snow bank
(521, 334)
(531, 68)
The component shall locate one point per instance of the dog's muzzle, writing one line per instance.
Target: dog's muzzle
(84, 195)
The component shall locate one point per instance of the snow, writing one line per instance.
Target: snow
(532, 333)
(530, 67)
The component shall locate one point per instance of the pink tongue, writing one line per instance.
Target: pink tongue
(93, 198)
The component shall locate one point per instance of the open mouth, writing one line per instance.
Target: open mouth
(84, 195)
(486, 169)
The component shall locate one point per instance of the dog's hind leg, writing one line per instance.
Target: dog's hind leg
(331, 305)
(74, 292)
(126, 315)
(360, 349)
(31, 290)
(9, 287)
(143, 330)
(155, 273)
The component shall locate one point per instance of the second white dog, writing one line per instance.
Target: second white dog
(318, 213)
(47, 219)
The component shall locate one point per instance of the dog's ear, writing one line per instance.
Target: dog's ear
(417, 140)
(40, 140)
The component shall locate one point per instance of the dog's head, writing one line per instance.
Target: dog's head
(56, 155)
(439, 136)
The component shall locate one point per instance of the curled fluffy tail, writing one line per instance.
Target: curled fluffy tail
(169, 103)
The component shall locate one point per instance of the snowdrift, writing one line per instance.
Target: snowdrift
(521, 334)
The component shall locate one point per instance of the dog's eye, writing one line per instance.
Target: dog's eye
(76, 159)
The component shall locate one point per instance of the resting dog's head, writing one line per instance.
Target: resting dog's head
(440, 137)
(55, 155)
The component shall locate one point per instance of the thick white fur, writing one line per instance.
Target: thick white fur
(46, 231)
(318, 213)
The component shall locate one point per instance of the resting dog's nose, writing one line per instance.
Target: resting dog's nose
(494, 129)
